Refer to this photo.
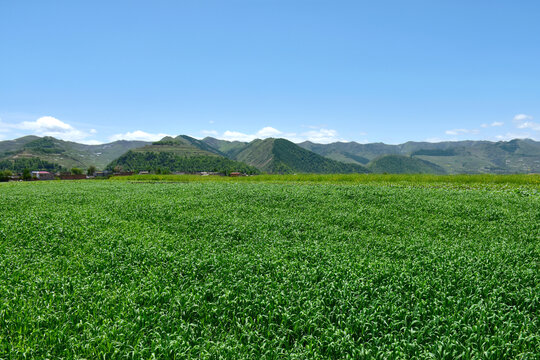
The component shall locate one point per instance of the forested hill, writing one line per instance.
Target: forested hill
(282, 156)
(179, 154)
(48, 153)
(455, 157)
(171, 162)
(279, 155)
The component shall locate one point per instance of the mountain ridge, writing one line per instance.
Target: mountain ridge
(453, 157)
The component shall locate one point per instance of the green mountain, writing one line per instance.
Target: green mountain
(400, 164)
(455, 157)
(179, 154)
(276, 155)
(47, 153)
(229, 148)
(283, 156)
(181, 145)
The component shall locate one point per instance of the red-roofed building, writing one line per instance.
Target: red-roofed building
(42, 175)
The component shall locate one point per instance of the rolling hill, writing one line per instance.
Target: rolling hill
(276, 155)
(47, 153)
(283, 156)
(400, 164)
(455, 157)
(179, 154)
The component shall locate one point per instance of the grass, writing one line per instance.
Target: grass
(235, 269)
(530, 180)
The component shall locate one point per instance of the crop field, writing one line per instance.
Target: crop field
(223, 269)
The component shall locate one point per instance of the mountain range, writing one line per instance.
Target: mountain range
(187, 154)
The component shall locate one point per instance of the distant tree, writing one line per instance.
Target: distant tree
(117, 168)
(26, 175)
(91, 170)
(5, 175)
(76, 171)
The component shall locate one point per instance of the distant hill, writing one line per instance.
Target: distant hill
(181, 145)
(283, 156)
(182, 154)
(40, 152)
(455, 157)
(278, 155)
(229, 148)
(400, 164)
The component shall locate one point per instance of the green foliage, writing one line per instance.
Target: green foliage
(103, 269)
(149, 161)
(45, 145)
(5, 175)
(26, 174)
(91, 170)
(33, 163)
(76, 171)
(435, 152)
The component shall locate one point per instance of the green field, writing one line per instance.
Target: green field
(286, 267)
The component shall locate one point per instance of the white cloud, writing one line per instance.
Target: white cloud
(320, 135)
(209, 132)
(524, 121)
(511, 136)
(529, 125)
(460, 131)
(268, 132)
(263, 133)
(522, 117)
(91, 142)
(47, 126)
(497, 123)
(138, 135)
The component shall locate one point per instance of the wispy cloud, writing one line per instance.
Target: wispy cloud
(493, 124)
(319, 135)
(524, 121)
(138, 135)
(522, 117)
(263, 133)
(209, 132)
(512, 135)
(461, 131)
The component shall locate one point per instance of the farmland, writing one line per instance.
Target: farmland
(310, 267)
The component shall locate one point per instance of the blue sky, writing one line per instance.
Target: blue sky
(366, 71)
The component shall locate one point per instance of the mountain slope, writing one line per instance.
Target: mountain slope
(66, 154)
(181, 145)
(505, 157)
(229, 148)
(283, 156)
(179, 154)
(400, 164)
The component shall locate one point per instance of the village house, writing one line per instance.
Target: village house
(42, 175)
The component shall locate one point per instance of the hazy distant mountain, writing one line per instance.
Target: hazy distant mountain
(283, 156)
(65, 154)
(469, 157)
(401, 164)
